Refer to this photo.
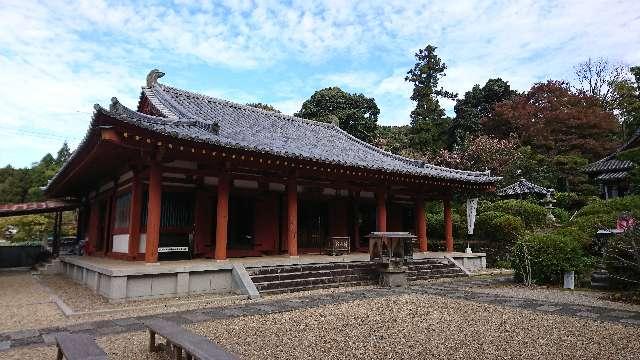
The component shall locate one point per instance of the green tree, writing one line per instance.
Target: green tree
(570, 177)
(394, 139)
(428, 122)
(63, 154)
(353, 113)
(627, 95)
(476, 104)
(265, 107)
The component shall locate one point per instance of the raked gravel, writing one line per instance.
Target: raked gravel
(556, 295)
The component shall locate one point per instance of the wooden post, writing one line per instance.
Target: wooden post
(55, 246)
(222, 217)
(152, 341)
(356, 217)
(448, 225)
(154, 205)
(292, 216)
(134, 217)
(421, 224)
(381, 210)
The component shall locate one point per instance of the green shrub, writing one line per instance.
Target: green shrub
(569, 201)
(614, 206)
(499, 227)
(562, 216)
(532, 215)
(543, 258)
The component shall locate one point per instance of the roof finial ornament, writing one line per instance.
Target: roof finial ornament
(152, 78)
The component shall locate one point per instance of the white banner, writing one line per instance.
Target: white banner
(472, 205)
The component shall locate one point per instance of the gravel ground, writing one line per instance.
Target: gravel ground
(396, 327)
(576, 297)
(25, 304)
(419, 327)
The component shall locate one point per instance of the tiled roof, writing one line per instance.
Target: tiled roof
(612, 176)
(36, 207)
(608, 164)
(202, 118)
(523, 186)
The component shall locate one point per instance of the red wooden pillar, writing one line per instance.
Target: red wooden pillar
(134, 217)
(421, 224)
(381, 210)
(292, 216)
(356, 222)
(448, 225)
(222, 217)
(154, 205)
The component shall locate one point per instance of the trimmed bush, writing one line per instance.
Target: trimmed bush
(499, 227)
(562, 216)
(569, 201)
(532, 215)
(543, 258)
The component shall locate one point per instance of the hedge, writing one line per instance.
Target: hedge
(532, 215)
(548, 256)
(499, 227)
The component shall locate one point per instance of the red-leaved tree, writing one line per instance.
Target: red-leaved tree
(554, 120)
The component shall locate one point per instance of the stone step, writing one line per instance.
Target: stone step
(311, 282)
(283, 269)
(318, 287)
(309, 274)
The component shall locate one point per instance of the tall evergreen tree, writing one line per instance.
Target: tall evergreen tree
(476, 104)
(428, 122)
(63, 154)
(353, 113)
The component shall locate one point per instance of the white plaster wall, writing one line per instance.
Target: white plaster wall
(184, 164)
(276, 187)
(210, 180)
(245, 184)
(143, 243)
(121, 243)
(366, 194)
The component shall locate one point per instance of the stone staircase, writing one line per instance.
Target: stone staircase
(47, 268)
(429, 269)
(291, 278)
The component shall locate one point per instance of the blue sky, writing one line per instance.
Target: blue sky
(58, 58)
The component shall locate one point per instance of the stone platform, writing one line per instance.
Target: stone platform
(120, 280)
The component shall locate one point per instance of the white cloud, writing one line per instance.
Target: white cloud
(60, 57)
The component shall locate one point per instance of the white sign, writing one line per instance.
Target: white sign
(472, 205)
(172, 249)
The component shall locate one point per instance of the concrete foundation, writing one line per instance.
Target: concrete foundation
(139, 281)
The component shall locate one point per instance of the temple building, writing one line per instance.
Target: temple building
(187, 175)
(612, 172)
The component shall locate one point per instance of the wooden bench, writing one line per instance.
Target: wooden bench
(78, 347)
(182, 340)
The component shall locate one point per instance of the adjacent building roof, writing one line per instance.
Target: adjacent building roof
(523, 187)
(609, 164)
(619, 175)
(37, 207)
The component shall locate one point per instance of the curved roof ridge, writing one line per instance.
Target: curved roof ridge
(247, 107)
(337, 129)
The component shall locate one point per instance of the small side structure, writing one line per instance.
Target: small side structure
(612, 172)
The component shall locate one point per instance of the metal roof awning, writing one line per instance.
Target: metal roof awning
(40, 207)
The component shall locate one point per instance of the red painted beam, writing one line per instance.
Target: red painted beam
(381, 210)
(222, 217)
(134, 217)
(292, 216)
(421, 224)
(153, 213)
